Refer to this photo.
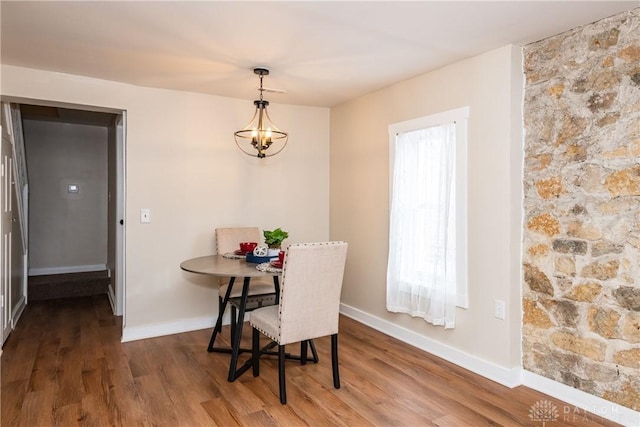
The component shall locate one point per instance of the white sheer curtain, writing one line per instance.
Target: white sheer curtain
(421, 274)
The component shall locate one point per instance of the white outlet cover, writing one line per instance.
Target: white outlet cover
(145, 216)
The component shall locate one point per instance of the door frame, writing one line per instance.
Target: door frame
(119, 293)
(119, 303)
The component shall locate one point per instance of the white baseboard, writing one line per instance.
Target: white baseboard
(17, 311)
(509, 377)
(133, 333)
(67, 269)
(112, 299)
(582, 401)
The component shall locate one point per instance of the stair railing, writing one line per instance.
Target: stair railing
(12, 111)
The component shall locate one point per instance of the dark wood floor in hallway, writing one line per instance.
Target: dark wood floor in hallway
(64, 365)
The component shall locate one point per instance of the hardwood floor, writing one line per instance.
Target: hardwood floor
(64, 365)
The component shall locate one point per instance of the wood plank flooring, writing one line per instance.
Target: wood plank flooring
(64, 365)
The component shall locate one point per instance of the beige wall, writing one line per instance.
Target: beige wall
(182, 163)
(491, 85)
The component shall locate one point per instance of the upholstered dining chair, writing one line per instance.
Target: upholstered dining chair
(228, 240)
(308, 307)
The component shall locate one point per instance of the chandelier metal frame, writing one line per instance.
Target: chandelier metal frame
(260, 134)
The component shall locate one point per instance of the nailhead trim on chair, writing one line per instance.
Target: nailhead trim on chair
(282, 285)
(266, 334)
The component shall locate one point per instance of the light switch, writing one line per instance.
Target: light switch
(73, 188)
(499, 309)
(145, 215)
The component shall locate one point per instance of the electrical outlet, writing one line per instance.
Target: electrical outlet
(500, 309)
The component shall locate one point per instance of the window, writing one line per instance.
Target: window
(427, 268)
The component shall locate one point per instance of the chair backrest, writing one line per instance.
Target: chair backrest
(310, 290)
(228, 239)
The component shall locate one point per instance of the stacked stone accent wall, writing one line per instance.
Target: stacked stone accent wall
(581, 296)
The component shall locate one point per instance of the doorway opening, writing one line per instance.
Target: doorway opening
(75, 167)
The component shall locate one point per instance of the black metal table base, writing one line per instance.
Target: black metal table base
(234, 373)
(252, 302)
(239, 307)
(222, 305)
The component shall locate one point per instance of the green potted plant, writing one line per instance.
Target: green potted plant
(273, 239)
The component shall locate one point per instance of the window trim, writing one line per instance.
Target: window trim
(459, 116)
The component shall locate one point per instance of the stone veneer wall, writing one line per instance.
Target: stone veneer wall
(581, 296)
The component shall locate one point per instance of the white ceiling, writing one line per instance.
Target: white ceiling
(321, 52)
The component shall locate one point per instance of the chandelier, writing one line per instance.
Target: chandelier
(261, 134)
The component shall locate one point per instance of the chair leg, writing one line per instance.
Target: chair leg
(334, 360)
(283, 386)
(303, 352)
(255, 352)
(314, 352)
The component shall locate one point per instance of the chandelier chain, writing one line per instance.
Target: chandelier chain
(261, 89)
